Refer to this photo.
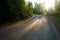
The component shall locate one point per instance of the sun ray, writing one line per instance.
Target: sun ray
(48, 3)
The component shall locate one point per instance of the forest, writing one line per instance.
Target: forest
(15, 10)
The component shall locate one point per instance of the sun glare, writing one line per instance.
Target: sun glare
(48, 3)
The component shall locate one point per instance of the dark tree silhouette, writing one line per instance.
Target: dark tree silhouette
(13, 10)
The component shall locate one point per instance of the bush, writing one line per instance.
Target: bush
(13, 10)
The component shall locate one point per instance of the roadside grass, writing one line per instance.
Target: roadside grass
(56, 22)
(55, 19)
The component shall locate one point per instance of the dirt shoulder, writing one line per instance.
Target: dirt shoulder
(15, 24)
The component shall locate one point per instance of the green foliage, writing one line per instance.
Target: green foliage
(57, 10)
(13, 10)
(50, 12)
(30, 9)
(37, 9)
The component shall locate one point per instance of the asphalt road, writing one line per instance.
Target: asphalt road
(39, 28)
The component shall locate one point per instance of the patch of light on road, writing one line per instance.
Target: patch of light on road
(37, 23)
(29, 27)
(26, 29)
(41, 21)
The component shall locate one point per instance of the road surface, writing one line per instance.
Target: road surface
(38, 28)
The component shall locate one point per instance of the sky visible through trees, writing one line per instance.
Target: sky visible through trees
(14, 10)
